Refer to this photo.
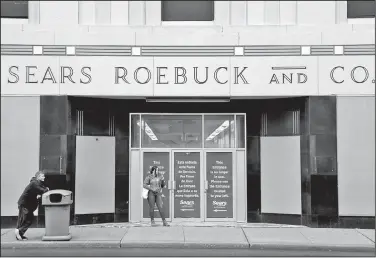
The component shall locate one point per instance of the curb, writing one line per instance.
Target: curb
(61, 244)
(312, 247)
(240, 245)
(185, 245)
(152, 245)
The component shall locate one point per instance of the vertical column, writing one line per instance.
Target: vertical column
(86, 12)
(322, 155)
(341, 12)
(272, 13)
(102, 12)
(308, 12)
(238, 13)
(153, 13)
(34, 14)
(255, 12)
(136, 12)
(59, 12)
(119, 12)
(222, 13)
(53, 143)
(135, 184)
(287, 11)
(241, 187)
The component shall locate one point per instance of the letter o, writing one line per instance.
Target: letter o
(353, 71)
(136, 73)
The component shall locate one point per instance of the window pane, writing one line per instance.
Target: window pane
(14, 9)
(240, 131)
(187, 10)
(219, 131)
(360, 9)
(135, 138)
(280, 123)
(171, 131)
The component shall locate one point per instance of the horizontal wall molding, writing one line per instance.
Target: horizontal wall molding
(16, 50)
(187, 51)
(254, 50)
(359, 49)
(322, 50)
(272, 50)
(54, 50)
(103, 50)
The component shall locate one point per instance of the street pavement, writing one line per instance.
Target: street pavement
(195, 240)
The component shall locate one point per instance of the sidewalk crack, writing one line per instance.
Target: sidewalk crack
(183, 234)
(249, 243)
(364, 235)
(309, 240)
(121, 239)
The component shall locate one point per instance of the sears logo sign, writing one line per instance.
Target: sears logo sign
(220, 204)
(190, 203)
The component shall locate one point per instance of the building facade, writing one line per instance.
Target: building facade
(254, 111)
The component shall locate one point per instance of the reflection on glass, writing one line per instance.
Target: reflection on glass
(240, 131)
(171, 131)
(219, 131)
(135, 137)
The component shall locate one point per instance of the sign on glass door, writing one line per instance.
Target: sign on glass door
(219, 173)
(187, 192)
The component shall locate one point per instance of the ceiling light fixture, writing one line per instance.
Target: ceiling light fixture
(220, 129)
(147, 130)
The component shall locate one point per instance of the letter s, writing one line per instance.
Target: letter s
(13, 74)
(86, 75)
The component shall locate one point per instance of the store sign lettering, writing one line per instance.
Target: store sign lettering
(201, 75)
(66, 74)
(358, 74)
(290, 78)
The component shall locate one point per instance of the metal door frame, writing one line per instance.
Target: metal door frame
(234, 205)
(203, 152)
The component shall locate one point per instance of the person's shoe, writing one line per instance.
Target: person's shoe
(165, 224)
(24, 238)
(17, 232)
(153, 223)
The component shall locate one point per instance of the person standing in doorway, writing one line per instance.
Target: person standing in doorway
(154, 182)
(28, 203)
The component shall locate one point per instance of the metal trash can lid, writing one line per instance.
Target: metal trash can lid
(62, 192)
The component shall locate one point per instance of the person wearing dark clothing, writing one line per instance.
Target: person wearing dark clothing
(154, 182)
(28, 203)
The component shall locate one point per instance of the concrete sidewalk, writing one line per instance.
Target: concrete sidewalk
(270, 237)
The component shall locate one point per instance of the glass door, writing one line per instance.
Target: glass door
(219, 185)
(160, 158)
(187, 204)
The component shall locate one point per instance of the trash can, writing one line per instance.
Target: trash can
(57, 215)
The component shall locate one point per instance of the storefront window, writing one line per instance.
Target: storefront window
(14, 9)
(360, 9)
(240, 131)
(171, 131)
(187, 10)
(219, 131)
(135, 140)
